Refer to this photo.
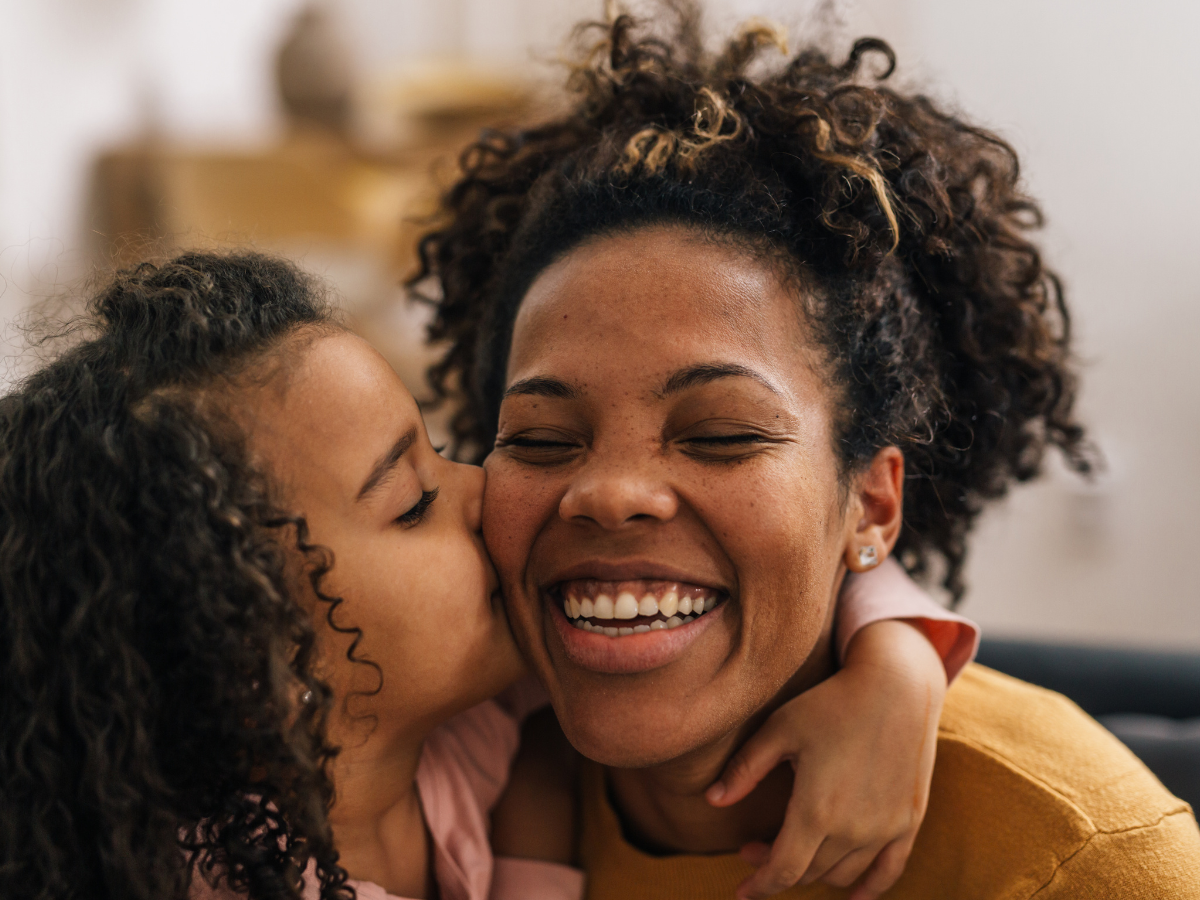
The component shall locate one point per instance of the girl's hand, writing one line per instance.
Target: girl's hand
(862, 744)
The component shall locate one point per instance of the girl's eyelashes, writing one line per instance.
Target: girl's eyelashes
(418, 510)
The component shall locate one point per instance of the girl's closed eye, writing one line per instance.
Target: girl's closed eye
(417, 511)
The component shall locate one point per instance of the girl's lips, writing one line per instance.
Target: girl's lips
(628, 654)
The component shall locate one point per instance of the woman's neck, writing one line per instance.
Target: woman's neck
(377, 821)
(663, 808)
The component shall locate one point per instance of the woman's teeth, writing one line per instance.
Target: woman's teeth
(666, 609)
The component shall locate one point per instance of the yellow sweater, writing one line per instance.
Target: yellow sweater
(1030, 798)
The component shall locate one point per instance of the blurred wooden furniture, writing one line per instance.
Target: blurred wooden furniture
(319, 187)
(310, 192)
(351, 220)
(349, 212)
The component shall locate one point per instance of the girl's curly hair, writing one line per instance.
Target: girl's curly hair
(160, 719)
(903, 225)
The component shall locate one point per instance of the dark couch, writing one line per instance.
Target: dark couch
(1150, 700)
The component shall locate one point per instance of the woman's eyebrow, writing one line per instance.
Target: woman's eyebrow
(541, 386)
(694, 376)
(387, 462)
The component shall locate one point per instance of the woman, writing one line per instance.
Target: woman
(730, 335)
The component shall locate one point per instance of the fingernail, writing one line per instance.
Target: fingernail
(716, 792)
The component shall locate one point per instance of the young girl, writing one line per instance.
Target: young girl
(181, 654)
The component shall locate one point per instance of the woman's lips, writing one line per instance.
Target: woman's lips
(630, 626)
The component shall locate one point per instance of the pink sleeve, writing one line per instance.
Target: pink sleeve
(887, 592)
(534, 879)
(466, 758)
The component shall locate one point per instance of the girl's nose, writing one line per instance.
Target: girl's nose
(470, 481)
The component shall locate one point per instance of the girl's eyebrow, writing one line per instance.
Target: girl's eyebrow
(387, 462)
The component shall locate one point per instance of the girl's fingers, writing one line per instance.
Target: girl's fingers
(746, 768)
(885, 871)
(756, 853)
(790, 856)
(847, 870)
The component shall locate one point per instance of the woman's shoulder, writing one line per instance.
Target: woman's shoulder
(1031, 793)
(1042, 738)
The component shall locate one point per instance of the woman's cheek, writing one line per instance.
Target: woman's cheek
(501, 515)
(516, 502)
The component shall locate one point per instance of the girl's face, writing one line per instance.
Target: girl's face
(666, 436)
(344, 439)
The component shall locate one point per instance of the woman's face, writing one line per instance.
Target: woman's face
(344, 439)
(665, 437)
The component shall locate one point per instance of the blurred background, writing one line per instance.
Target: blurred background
(321, 130)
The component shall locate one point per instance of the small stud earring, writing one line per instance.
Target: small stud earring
(867, 557)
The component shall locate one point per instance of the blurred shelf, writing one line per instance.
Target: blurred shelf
(307, 193)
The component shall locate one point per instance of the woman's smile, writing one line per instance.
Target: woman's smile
(632, 624)
(623, 616)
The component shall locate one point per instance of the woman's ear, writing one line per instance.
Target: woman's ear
(876, 511)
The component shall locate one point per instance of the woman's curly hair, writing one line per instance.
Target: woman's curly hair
(160, 719)
(904, 226)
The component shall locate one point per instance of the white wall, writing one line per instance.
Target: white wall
(1100, 100)
(1098, 97)
(79, 75)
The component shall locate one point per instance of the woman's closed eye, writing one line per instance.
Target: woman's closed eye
(728, 440)
(417, 511)
(725, 446)
(538, 446)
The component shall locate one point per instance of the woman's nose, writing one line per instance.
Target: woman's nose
(615, 494)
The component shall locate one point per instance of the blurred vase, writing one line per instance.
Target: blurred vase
(315, 73)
